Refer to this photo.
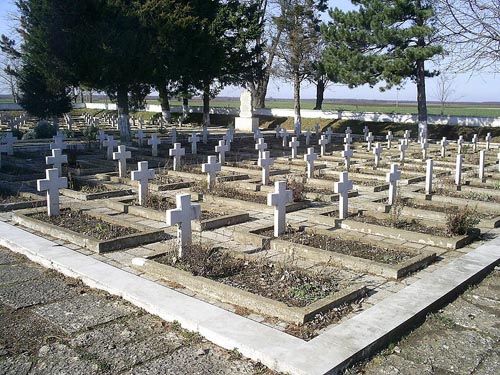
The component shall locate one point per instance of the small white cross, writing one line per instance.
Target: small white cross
(182, 216)
(406, 135)
(265, 162)
(211, 168)
(309, 158)
(52, 183)
(428, 176)
(56, 159)
(389, 138)
(366, 130)
(369, 138)
(140, 137)
(177, 152)
(329, 133)
(474, 142)
(316, 129)
(392, 178)
(377, 151)
(342, 188)
(204, 135)
(221, 149)
(348, 130)
(154, 141)
(101, 137)
(323, 142)
(308, 137)
(122, 155)
(58, 142)
(278, 131)
(444, 144)
(257, 134)
(294, 144)
(9, 139)
(260, 146)
(143, 174)
(348, 138)
(402, 149)
(229, 138)
(425, 146)
(458, 170)
(460, 143)
(488, 140)
(110, 143)
(279, 199)
(194, 139)
(347, 154)
(284, 135)
(482, 163)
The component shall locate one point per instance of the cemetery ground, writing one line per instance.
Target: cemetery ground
(296, 295)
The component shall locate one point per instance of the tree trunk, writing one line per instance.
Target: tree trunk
(320, 92)
(90, 96)
(296, 99)
(165, 104)
(421, 97)
(123, 113)
(185, 107)
(206, 104)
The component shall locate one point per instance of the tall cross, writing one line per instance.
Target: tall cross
(460, 143)
(342, 188)
(143, 174)
(294, 144)
(52, 183)
(260, 146)
(428, 176)
(177, 152)
(474, 142)
(204, 135)
(284, 135)
(58, 142)
(278, 131)
(309, 158)
(279, 199)
(154, 141)
(57, 159)
(402, 149)
(265, 162)
(406, 135)
(140, 137)
(425, 146)
(308, 137)
(392, 178)
(366, 130)
(347, 154)
(389, 138)
(444, 144)
(194, 139)
(211, 168)
(458, 170)
(488, 140)
(329, 133)
(122, 155)
(377, 151)
(182, 216)
(221, 149)
(369, 139)
(482, 163)
(323, 142)
(110, 143)
(9, 140)
(348, 138)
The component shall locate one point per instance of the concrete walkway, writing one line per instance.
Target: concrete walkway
(329, 352)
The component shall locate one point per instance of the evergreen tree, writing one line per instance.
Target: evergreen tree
(383, 40)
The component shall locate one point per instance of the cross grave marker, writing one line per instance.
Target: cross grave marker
(294, 143)
(52, 183)
(57, 159)
(110, 143)
(392, 178)
(309, 158)
(342, 188)
(182, 216)
(221, 149)
(211, 168)
(177, 152)
(122, 155)
(154, 141)
(265, 163)
(142, 175)
(279, 200)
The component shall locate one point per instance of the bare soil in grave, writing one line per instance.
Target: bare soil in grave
(470, 195)
(224, 191)
(166, 179)
(356, 181)
(348, 247)
(7, 197)
(80, 222)
(15, 170)
(85, 187)
(408, 202)
(375, 172)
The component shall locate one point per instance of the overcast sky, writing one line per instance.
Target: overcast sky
(476, 87)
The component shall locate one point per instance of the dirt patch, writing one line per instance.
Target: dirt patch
(353, 248)
(443, 208)
(470, 195)
(162, 204)
(80, 222)
(224, 191)
(166, 179)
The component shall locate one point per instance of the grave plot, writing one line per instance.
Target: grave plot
(363, 182)
(14, 171)
(88, 188)
(96, 232)
(255, 283)
(155, 205)
(10, 201)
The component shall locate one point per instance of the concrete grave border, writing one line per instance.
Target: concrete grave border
(36, 201)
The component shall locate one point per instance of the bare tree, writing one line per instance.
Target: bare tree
(444, 90)
(471, 31)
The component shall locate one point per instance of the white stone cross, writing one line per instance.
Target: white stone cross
(122, 155)
(309, 158)
(329, 133)
(143, 174)
(279, 199)
(474, 142)
(392, 178)
(402, 149)
(342, 188)
(101, 137)
(140, 137)
(57, 159)
(110, 143)
(211, 168)
(308, 137)
(182, 216)
(177, 152)
(323, 142)
(257, 134)
(265, 162)
(482, 163)
(425, 146)
(377, 151)
(298, 128)
(429, 170)
(173, 136)
(406, 135)
(260, 146)
(460, 143)
(458, 170)
(278, 131)
(294, 143)
(348, 138)
(52, 183)
(221, 149)
(229, 139)
(58, 142)
(347, 154)
(369, 139)
(316, 129)
(389, 138)
(204, 135)
(348, 130)
(444, 143)
(366, 130)
(154, 141)
(488, 140)
(9, 140)
(194, 139)
(284, 135)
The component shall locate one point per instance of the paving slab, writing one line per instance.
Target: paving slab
(84, 311)
(19, 365)
(34, 292)
(8, 257)
(60, 359)
(18, 273)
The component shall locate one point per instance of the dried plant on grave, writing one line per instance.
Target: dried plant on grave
(396, 211)
(460, 221)
(296, 185)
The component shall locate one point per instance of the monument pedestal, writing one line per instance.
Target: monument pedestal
(246, 124)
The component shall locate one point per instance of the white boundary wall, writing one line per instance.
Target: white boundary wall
(331, 115)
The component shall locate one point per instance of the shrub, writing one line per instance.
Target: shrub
(43, 130)
(297, 187)
(460, 221)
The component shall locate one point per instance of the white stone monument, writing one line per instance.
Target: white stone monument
(143, 174)
(402, 149)
(204, 135)
(57, 159)
(392, 178)
(182, 216)
(444, 144)
(211, 168)
(347, 154)
(177, 152)
(429, 170)
(139, 135)
(294, 144)
(9, 140)
(308, 137)
(110, 145)
(488, 141)
(309, 158)
(221, 149)
(342, 188)
(246, 122)
(369, 139)
(482, 164)
(122, 155)
(260, 146)
(52, 183)
(154, 142)
(474, 142)
(323, 142)
(377, 151)
(458, 171)
(425, 146)
(279, 199)
(194, 139)
(389, 138)
(265, 163)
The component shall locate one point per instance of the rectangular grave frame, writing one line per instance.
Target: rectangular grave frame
(36, 201)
